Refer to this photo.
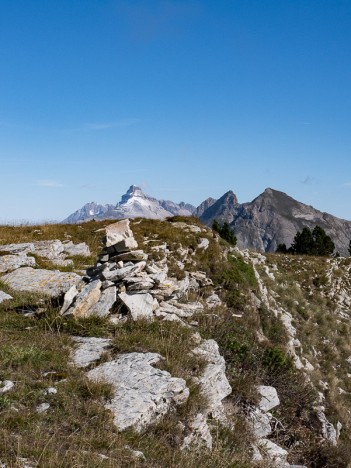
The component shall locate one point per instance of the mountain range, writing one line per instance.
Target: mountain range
(134, 204)
(270, 219)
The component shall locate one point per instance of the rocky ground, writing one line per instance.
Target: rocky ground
(172, 349)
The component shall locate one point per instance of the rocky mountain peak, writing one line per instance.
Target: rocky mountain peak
(134, 203)
(132, 192)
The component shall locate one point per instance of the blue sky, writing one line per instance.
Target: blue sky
(187, 99)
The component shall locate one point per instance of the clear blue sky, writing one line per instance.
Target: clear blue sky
(186, 98)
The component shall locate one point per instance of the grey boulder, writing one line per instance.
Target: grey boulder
(140, 306)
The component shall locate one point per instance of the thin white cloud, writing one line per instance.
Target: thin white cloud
(49, 183)
(106, 125)
(346, 184)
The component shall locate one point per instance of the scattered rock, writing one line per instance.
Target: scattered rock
(140, 306)
(203, 243)
(4, 297)
(42, 408)
(6, 386)
(50, 391)
(88, 350)
(269, 398)
(136, 453)
(142, 393)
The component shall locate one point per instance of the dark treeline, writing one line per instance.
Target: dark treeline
(307, 242)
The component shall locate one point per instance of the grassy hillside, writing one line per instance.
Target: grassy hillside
(256, 291)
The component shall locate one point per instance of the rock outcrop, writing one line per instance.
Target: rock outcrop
(52, 283)
(142, 393)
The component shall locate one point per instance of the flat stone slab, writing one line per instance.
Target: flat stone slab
(142, 394)
(50, 249)
(50, 282)
(140, 306)
(23, 248)
(120, 236)
(12, 262)
(88, 350)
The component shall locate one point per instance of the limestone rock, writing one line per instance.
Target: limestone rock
(12, 262)
(88, 350)
(4, 297)
(203, 243)
(68, 298)
(133, 256)
(6, 386)
(213, 381)
(81, 249)
(269, 398)
(201, 278)
(328, 430)
(138, 284)
(18, 249)
(107, 299)
(50, 249)
(121, 273)
(42, 407)
(140, 306)
(120, 236)
(50, 282)
(142, 394)
(213, 301)
(86, 300)
(260, 423)
(200, 434)
(276, 454)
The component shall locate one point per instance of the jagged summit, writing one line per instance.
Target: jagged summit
(134, 203)
(273, 218)
(132, 192)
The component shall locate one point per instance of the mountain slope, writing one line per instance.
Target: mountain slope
(274, 218)
(134, 203)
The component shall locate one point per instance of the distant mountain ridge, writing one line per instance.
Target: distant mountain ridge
(270, 219)
(134, 204)
(273, 218)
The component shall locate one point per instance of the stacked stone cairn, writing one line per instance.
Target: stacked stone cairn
(124, 284)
